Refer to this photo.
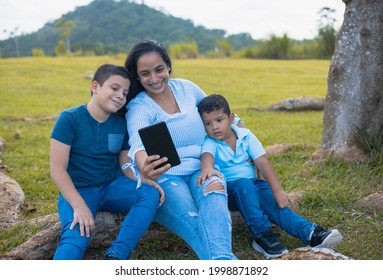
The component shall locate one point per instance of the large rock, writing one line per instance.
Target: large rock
(308, 253)
(11, 202)
(349, 155)
(42, 245)
(373, 201)
(278, 149)
(2, 144)
(299, 104)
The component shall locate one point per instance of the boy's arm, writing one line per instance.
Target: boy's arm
(207, 168)
(128, 172)
(59, 158)
(267, 171)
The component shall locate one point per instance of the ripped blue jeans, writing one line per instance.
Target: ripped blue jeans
(197, 215)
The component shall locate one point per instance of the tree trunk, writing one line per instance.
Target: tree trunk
(354, 100)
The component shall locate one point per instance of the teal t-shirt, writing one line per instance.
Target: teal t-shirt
(95, 147)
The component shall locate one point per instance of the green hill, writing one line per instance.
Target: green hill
(111, 26)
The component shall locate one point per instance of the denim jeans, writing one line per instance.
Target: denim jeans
(201, 220)
(255, 201)
(121, 196)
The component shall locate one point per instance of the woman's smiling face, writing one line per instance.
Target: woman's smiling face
(153, 73)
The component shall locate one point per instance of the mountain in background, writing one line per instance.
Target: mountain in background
(109, 26)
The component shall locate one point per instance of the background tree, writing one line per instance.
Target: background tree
(63, 45)
(13, 34)
(184, 50)
(275, 47)
(326, 32)
(353, 114)
(38, 52)
(224, 47)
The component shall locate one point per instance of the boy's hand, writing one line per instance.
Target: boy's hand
(207, 173)
(282, 199)
(158, 187)
(84, 218)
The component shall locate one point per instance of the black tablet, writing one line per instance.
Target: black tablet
(157, 141)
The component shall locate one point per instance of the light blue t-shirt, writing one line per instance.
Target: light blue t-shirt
(186, 127)
(95, 147)
(235, 165)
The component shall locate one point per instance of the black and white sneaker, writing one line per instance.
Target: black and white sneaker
(325, 239)
(268, 244)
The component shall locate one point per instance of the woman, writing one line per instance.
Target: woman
(197, 214)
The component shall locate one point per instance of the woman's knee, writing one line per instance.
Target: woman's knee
(214, 185)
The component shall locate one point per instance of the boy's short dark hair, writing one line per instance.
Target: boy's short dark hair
(105, 71)
(212, 103)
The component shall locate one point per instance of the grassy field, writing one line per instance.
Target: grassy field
(39, 88)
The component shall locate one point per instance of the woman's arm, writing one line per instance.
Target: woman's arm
(128, 172)
(147, 165)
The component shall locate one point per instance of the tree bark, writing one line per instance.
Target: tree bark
(354, 99)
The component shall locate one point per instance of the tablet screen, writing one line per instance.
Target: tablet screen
(158, 141)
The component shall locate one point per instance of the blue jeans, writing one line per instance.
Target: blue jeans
(120, 196)
(201, 220)
(255, 201)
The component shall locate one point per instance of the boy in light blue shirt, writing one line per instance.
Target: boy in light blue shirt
(240, 156)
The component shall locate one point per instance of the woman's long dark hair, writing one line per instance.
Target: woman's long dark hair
(139, 49)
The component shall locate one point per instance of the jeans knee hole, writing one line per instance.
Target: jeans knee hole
(214, 186)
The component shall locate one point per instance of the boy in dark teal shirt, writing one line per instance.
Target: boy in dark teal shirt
(88, 148)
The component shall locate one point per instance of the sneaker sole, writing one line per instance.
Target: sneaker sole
(331, 240)
(259, 249)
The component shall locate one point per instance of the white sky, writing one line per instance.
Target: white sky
(260, 18)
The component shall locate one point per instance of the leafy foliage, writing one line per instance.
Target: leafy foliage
(110, 26)
(326, 34)
(372, 145)
(184, 50)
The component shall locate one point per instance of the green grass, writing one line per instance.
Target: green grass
(42, 87)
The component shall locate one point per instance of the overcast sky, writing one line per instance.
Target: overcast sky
(260, 18)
